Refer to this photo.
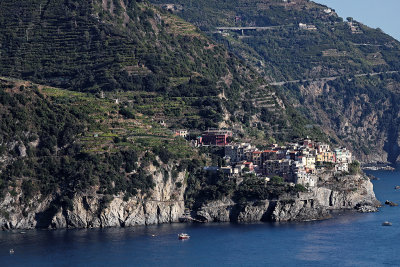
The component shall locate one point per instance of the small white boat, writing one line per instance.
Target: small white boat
(386, 223)
(11, 251)
(183, 236)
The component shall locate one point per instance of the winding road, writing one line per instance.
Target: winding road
(330, 78)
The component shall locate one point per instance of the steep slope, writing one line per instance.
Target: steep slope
(341, 74)
(88, 146)
(67, 157)
(130, 45)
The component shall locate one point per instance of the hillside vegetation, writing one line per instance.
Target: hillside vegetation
(115, 45)
(61, 142)
(339, 73)
(92, 91)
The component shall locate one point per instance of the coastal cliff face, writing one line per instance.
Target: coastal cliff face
(165, 205)
(352, 192)
(366, 122)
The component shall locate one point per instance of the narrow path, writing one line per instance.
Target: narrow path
(249, 28)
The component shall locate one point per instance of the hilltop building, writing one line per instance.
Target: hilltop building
(182, 133)
(216, 137)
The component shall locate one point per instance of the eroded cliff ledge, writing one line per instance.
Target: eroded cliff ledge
(350, 192)
(165, 205)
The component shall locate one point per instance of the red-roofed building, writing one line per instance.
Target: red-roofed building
(216, 137)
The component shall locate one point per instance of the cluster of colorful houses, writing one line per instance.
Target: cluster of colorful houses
(299, 163)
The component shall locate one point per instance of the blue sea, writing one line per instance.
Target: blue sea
(349, 239)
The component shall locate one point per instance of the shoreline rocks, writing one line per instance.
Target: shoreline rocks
(391, 203)
(351, 192)
(331, 195)
(165, 205)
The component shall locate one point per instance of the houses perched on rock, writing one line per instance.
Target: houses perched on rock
(299, 163)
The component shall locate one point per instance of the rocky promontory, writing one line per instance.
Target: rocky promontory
(166, 204)
(91, 210)
(347, 192)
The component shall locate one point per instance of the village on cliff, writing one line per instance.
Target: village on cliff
(298, 163)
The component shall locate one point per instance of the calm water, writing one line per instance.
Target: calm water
(348, 240)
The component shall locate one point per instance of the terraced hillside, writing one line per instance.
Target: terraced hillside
(339, 73)
(114, 45)
(62, 143)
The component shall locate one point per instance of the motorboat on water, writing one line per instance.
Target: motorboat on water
(386, 223)
(183, 236)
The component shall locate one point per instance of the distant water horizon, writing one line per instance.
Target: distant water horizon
(348, 239)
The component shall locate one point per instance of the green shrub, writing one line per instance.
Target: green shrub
(300, 188)
(277, 180)
(354, 168)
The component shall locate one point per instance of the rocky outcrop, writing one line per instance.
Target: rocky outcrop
(351, 192)
(366, 124)
(165, 205)
(86, 213)
(391, 203)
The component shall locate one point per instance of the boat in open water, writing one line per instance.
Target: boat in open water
(183, 236)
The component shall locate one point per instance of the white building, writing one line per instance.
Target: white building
(308, 27)
(342, 167)
(343, 155)
(181, 133)
(322, 147)
(306, 179)
(238, 152)
(308, 161)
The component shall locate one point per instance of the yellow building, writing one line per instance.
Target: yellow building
(326, 157)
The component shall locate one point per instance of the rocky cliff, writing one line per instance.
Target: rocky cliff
(165, 205)
(363, 120)
(352, 192)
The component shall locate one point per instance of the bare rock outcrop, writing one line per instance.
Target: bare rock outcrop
(348, 192)
(90, 210)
